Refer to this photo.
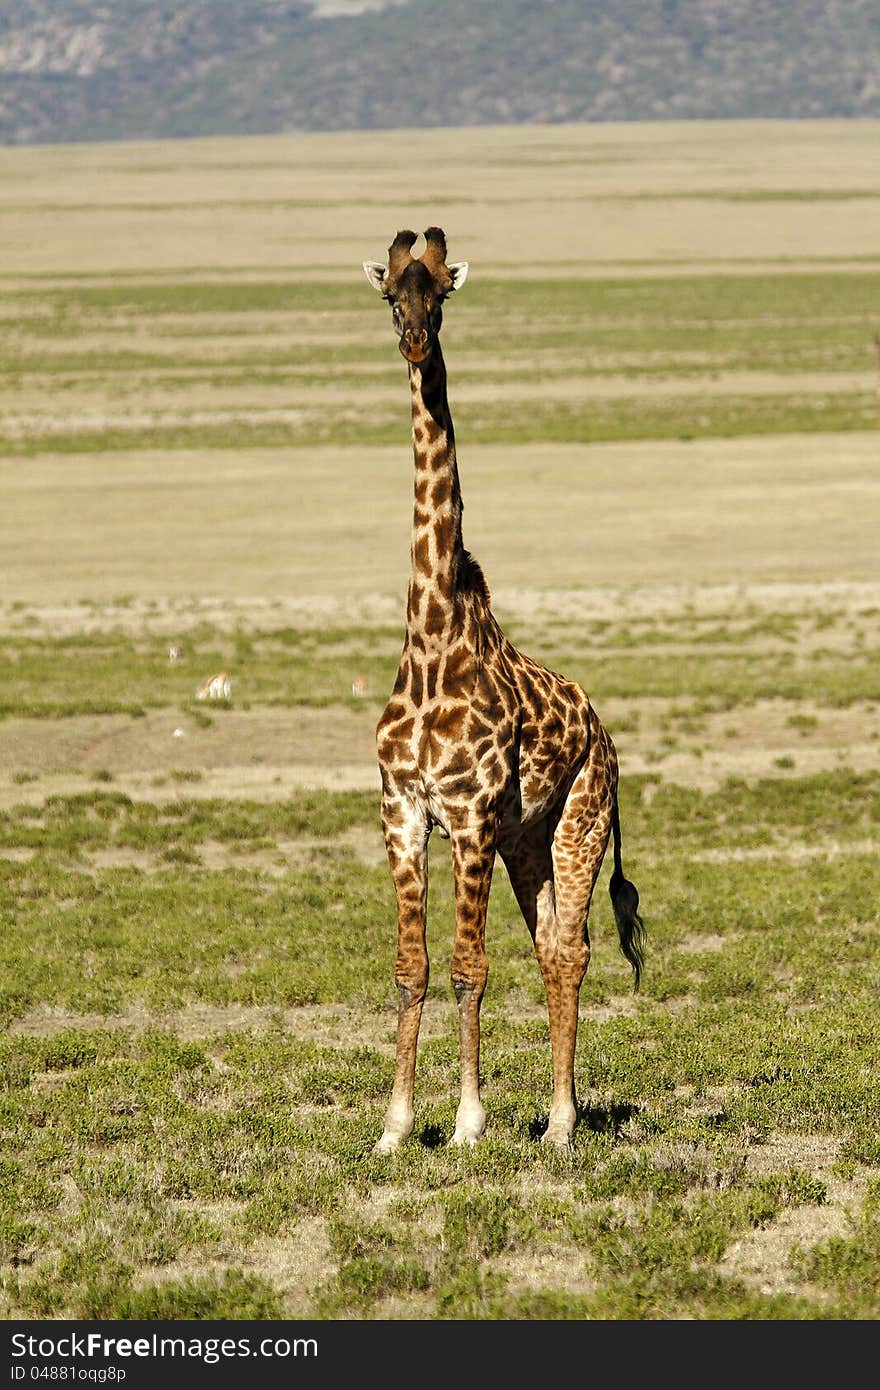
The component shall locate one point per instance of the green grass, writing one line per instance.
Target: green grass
(598, 421)
(668, 329)
(673, 311)
(735, 663)
(206, 1149)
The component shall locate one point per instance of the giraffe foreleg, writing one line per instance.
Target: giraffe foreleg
(473, 856)
(406, 841)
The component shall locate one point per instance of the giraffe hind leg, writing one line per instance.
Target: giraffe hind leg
(553, 880)
(530, 869)
(579, 844)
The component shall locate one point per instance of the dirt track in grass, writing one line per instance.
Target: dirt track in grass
(264, 754)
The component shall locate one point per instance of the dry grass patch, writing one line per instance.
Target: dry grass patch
(292, 1264)
(697, 943)
(762, 1257)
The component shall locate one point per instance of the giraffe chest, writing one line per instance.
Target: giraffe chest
(452, 738)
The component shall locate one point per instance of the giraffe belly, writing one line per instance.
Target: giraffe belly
(456, 761)
(460, 789)
(451, 759)
(548, 766)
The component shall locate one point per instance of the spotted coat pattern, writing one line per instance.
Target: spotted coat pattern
(501, 755)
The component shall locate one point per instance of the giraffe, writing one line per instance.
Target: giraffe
(503, 756)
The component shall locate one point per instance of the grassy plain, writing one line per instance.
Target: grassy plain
(664, 384)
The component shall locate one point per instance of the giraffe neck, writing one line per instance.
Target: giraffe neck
(437, 548)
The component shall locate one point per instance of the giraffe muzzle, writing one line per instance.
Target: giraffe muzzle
(416, 345)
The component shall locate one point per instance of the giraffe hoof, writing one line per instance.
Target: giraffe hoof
(462, 1141)
(558, 1136)
(387, 1144)
(470, 1122)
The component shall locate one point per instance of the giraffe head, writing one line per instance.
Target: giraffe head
(416, 289)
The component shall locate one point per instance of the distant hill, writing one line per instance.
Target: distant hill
(131, 69)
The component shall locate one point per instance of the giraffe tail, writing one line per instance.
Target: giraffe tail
(625, 901)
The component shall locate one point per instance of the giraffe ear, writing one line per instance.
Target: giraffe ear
(458, 273)
(375, 272)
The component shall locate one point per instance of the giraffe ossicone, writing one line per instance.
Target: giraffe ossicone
(502, 755)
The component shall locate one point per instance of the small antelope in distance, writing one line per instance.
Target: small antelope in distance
(175, 654)
(359, 686)
(501, 754)
(217, 687)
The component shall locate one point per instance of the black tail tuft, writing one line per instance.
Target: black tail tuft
(625, 901)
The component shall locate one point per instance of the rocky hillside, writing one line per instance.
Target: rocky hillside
(80, 70)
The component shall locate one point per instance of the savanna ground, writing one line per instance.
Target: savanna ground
(665, 392)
